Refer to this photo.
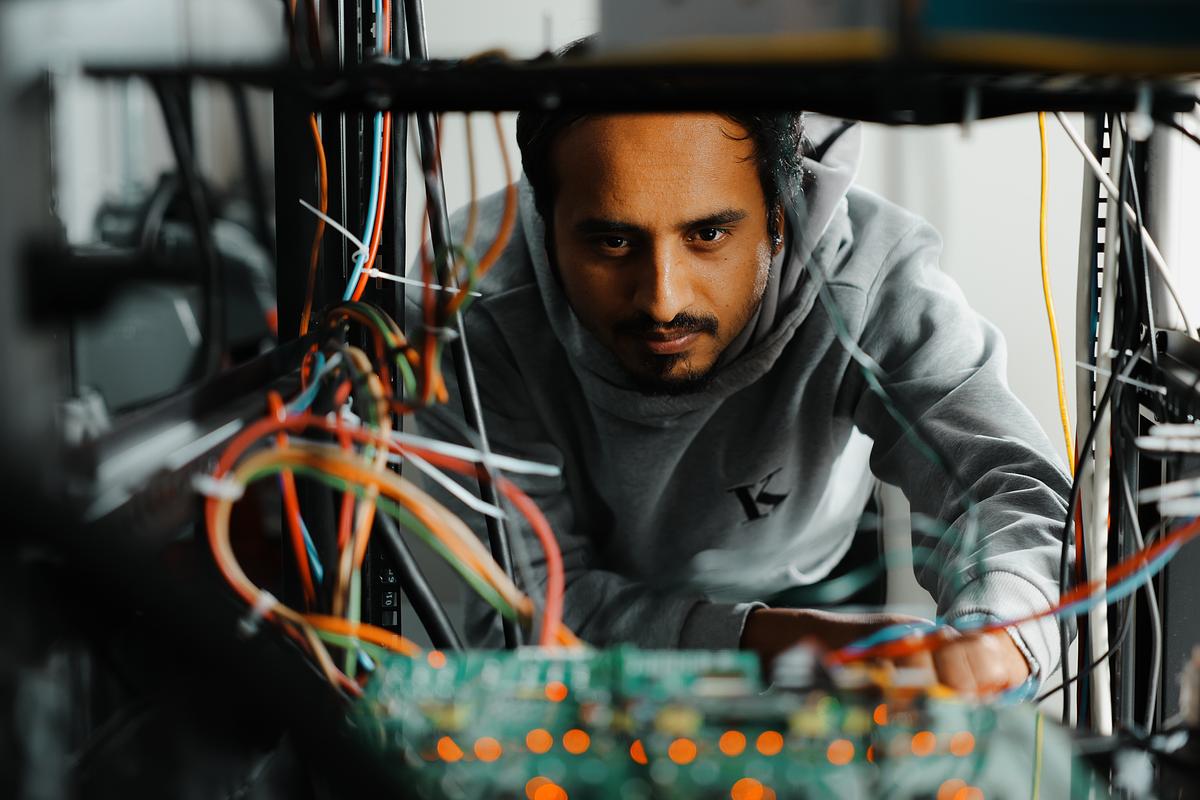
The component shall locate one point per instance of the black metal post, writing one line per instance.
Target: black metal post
(439, 229)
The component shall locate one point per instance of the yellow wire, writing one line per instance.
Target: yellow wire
(1058, 367)
(1037, 756)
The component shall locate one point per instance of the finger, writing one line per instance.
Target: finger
(954, 668)
(993, 671)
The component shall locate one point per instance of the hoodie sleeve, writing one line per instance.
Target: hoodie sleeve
(945, 366)
(600, 606)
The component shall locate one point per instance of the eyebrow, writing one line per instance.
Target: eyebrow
(599, 225)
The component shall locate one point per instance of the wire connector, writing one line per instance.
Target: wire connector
(249, 624)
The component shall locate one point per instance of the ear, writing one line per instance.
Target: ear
(777, 241)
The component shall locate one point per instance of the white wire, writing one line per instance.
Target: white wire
(337, 226)
(1096, 550)
(451, 486)
(1156, 256)
(388, 276)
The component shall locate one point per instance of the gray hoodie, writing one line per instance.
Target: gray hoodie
(676, 514)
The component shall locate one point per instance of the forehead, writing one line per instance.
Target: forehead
(654, 166)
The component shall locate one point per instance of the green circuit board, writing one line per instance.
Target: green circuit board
(676, 724)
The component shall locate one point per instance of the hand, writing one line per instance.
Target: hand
(981, 664)
(969, 664)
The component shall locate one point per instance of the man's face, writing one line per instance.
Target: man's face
(660, 239)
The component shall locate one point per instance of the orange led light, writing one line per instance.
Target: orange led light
(769, 743)
(962, 744)
(840, 752)
(556, 691)
(950, 789)
(447, 750)
(539, 740)
(768, 793)
(576, 742)
(436, 659)
(924, 743)
(638, 753)
(969, 793)
(533, 784)
(732, 743)
(550, 791)
(487, 749)
(746, 789)
(682, 751)
(871, 753)
(881, 715)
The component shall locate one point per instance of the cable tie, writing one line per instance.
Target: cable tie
(445, 334)
(1141, 123)
(217, 488)
(249, 624)
(390, 276)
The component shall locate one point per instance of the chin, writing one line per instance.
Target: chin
(670, 376)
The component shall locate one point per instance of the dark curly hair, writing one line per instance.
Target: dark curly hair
(776, 137)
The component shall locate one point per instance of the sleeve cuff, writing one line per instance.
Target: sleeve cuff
(1001, 596)
(715, 626)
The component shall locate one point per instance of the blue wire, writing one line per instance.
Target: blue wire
(1117, 591)
(306, 398)
(376, 168)
(315, 561)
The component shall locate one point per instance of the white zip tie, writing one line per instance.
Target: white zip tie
(1188, 507)
(249, 624)
(389, 276)
(222, 489)
(1149, 387)
(337, 226)
(1161, 444)
(1181, 430)
(447, 483)
(1170, 491)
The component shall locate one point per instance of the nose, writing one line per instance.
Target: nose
(664, 286)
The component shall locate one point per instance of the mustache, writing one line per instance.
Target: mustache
(683, 323)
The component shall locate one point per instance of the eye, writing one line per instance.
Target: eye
(711, 235)
(614, 242)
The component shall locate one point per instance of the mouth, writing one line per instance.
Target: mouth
(667, 343)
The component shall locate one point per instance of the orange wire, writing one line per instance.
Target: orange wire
(381, 203)
(1130, 565)
(380, 208)
(555, 583)
(319, 235)
(291, 505)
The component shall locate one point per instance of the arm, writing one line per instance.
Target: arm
(946, 366)
(601, 606)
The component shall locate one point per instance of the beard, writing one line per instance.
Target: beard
(659, 376)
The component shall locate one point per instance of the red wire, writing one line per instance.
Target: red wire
(381, 202)
(1129, 566)
(555, 578)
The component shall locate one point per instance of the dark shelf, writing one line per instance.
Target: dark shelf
(891, 92)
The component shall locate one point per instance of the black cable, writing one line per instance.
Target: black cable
(1072, 503)
(1171, 121)
(214, 279)
(253, 168)
(1126, 625)
(424, 601)
(439, 228)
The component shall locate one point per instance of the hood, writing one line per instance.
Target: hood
(832, 151)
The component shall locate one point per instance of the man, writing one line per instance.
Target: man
(655, 327)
